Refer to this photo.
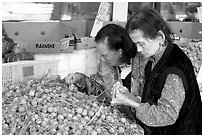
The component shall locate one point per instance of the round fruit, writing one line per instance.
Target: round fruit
(121, 129)
(84, 113)
(111, 130)
(21, 109)
(79, 110)
(91, 113)
(93, 132)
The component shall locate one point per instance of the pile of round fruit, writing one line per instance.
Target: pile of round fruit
(51, 108)
(194, 51)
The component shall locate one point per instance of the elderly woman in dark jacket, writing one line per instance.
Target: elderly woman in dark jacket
(164, 81)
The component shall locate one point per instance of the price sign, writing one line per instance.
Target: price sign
(28, 71)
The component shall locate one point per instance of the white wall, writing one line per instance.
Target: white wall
(84, 61)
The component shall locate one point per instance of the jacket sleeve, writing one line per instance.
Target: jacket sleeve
(167, 110)
(97, 83)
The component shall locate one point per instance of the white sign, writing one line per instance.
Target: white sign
(102, 15)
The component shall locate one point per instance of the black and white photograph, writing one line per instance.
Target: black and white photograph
(101, 68)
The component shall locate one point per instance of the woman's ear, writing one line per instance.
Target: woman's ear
(161, 37)
(120, 52)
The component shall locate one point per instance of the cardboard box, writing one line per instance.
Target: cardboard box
(45, 37)
(190, 30)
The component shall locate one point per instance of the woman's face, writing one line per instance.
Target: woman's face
(146, 47)
(110, 56)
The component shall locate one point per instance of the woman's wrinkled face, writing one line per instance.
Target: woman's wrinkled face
(110, 56)
(146, 47)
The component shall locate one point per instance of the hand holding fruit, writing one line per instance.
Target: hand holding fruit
(119, 94)
(122, 96)
(118, 87)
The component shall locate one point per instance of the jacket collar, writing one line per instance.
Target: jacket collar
(163, 58)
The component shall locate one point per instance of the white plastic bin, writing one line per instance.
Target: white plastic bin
(25, 70)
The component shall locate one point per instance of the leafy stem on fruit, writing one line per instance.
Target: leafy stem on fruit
(46, 75)
(14, 129)
(96, 113)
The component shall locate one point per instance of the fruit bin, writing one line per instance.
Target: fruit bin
(22, 71)
(45, 37)
(52, 108)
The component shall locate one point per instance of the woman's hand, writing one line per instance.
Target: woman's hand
(122, 96)
(73, 78)
(120, 99)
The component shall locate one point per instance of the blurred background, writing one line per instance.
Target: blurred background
(31, 23)
(171, 11)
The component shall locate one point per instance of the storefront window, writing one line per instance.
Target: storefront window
(171, 11)
(180, 11)
(50, 10)
(75, 10)
(26, 11)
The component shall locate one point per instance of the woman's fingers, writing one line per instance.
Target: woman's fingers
(115, 101)
(118, 99)
(115, 87)
(118, 88)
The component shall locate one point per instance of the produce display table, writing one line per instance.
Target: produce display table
(47, 107)
(193, 50)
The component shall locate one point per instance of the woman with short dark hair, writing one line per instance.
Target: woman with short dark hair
(115, 48)
(116, 38)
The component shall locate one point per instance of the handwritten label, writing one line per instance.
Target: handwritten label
(28, 71)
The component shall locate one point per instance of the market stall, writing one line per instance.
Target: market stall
(38, 55)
